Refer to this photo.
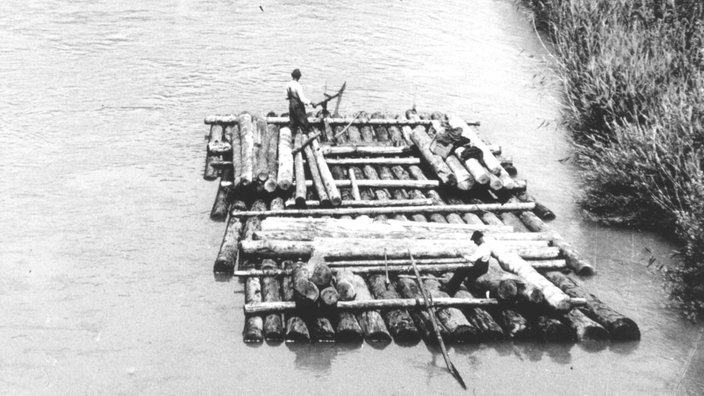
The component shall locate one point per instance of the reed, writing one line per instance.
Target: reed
(634, 78)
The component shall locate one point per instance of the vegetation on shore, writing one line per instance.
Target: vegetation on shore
(634, 79)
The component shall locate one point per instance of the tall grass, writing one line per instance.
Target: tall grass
(634, 82)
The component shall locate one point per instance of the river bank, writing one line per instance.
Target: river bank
(634, 80)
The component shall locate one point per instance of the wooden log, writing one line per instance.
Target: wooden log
(381, 193)
(320, 273)
(374, 161)
(219, 148)
(210, 172)
(554, 297)
(353, 134)
(487, 328)
(399, 321)
(511, 257)
(317, 179)
(573, 258)
(261, 150)
(551, 329)
(329, 296)
(272, 159)
(301, 188)
(296, 327)
(220, 206)
(469, 218)
(513, 220)
(584, 328)
(285, 170)
(619, 326)
(306, 292)
(457, 325)
(515, 326)
(309, 234)
(408, 288)
(365, 150)
(283, 120)
(384, 183)
(254, 325)
(322, 330)
(542, 211)
(225, 261)
(236, 155)
(402, 174)
(495, 182)
(364, 222)
(371, 322)
(391, 210)
(465, 181)
(327, 179)
(474, 167)
(247, 148)
(345, 203)
(254, 223)
(490, 161)
(422, 142)
(391, 268)
(273, 323)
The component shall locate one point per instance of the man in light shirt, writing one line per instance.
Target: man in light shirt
(297, 102)
(480, 260)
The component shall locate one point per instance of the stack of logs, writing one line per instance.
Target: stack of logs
(341, 273)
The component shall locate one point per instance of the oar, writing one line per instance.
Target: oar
(431, 310)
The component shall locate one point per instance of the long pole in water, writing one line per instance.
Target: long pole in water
(450, 366)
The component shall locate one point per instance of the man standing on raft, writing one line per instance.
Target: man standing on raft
(296, 104)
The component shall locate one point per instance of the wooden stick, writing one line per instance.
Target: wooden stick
(272, 158)
(285, 171)
(374, 161)
(317, 179)
(326, 176)
(361, 305)
(422, 142)
(385, 183)
(450, 366)
(360, 203)
(389, 210)
(365, 150)
(301, 188)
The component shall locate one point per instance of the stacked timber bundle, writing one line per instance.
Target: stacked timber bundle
(340, 232)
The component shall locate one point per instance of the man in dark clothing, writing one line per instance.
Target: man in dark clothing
(297, 102)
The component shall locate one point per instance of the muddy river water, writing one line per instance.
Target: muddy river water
(106, 248)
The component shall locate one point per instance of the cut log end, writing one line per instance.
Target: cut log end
(624, 329)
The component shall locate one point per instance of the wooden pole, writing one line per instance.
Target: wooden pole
(385, 183)
(422, 142)
(317, 179)
(374, 161)
(365, 150)
(301, 189)
(370, 320)
(487, 328)
(619, 326)
(236, 155)
(254, 325)
(247, 148)
(273, 323)
(229, 118)
(285, 171)
(325, 175)
(474, 167)
(225, 261)
(261, 149)
(272, 158)
(460, 329)
(360, 204)
(389, 210)
(296, 328)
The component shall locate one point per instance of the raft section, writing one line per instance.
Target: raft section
(325, 230)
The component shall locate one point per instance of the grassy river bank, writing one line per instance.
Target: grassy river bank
(633, 73)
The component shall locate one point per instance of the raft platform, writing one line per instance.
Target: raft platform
(331, 233)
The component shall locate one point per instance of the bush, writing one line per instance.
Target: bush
(634, 79)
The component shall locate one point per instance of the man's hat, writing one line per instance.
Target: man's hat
(477, 236)
(296, 73)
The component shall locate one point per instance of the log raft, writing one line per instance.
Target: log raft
(328, 260)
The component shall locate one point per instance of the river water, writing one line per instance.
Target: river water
(106, 247)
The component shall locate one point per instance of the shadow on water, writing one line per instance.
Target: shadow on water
(318, 356)
(223, 278)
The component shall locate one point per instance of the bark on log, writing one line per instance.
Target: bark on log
(573, 258)
(220, 206)
(301, 189)
(322, 330)
(513, 220)
(396, 136)
(285, 171)
(261, 149)
(619, 326)
(512, 262)
(465, 181)
(364, 223)
(210, 173)
(247, 148)
(236, 155)
(515, 326)
(325, 175)
(353, 134)
(253, 223)
(361, 182)
(402, 174)
(374, 211)
(460, 329)
(320, 273)
(272, 159)
(253, 327)
(488, 329)
(366, 150)
(329, 296)
(584, 328)
(542, 211)
(225, 261)
(317, 179)
(490, 161)
(422, 142)
(309, 234)
(345, 203)
(296, 328)
(306, 292)
(345, 285)
(374, 161)
(273, 323)
(371, 322)
(408, 288)
(400, 322)
(469, 218)
(551, 329)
